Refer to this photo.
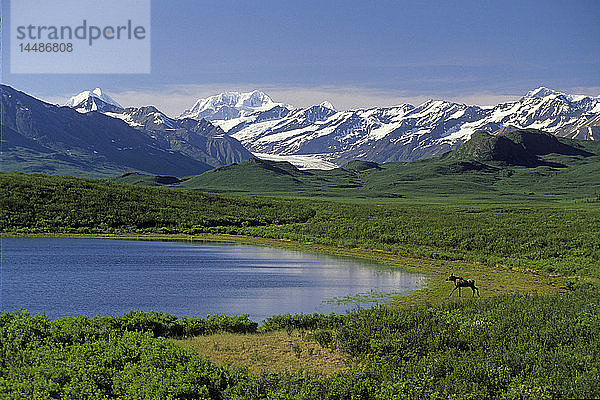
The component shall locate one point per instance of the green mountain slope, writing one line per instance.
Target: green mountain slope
(512, 164)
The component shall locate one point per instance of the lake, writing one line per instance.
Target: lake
(65, 277)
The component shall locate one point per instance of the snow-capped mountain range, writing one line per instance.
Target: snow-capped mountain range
(400, 133)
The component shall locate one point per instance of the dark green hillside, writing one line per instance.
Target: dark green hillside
(253, 175)
(267, 177)
(359, 165)
(521, 164)
(39, 203)
(514, 147)
(137, 178)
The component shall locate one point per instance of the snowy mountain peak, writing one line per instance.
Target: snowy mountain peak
(84, 96)
(542, 92)
(229, 105)
(97, 92)
(255, 98)
(328, 105)
(407, 132)
(545, 93)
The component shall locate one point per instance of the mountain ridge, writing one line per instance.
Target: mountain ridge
(197, 139)
(41, 137)
(406, 132)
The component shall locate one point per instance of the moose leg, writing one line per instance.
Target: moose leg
(453, 291)
(459, 291)
(477, 291)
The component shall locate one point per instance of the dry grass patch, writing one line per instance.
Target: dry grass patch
(268, 352)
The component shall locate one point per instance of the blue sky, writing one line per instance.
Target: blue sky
(352, 53)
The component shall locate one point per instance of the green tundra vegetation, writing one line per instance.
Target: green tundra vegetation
(523, 223)
(517, 346)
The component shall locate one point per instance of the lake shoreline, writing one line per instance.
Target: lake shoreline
(495, 280)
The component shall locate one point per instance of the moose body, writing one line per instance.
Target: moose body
(460, 283)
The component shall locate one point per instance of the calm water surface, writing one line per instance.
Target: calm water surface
(63, 277)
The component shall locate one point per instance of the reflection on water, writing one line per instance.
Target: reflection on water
(64, 277)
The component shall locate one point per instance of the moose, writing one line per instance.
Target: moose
(460, 283)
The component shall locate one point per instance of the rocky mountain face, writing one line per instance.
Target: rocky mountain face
(197, 139)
